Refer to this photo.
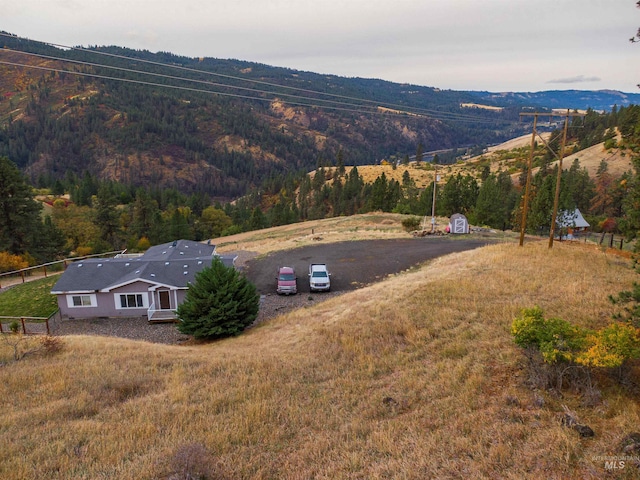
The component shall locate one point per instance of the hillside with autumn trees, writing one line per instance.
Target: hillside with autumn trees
(110, 163)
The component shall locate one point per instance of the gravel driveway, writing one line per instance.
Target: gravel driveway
(352, 265)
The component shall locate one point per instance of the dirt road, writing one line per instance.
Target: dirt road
(354, 264)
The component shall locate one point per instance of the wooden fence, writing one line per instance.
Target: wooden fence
(28, 325)
(610, 240)
(37, 271)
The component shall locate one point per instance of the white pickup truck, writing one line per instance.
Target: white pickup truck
(319, 278)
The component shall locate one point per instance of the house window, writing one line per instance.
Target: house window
(78, 301)
(81, 301)
(131, 300)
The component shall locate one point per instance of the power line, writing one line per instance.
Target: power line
(377, 105)
(378, 111)
(189, 89)
(525, 207)
(207, 72)
(173, 77)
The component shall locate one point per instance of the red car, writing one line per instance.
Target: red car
(287, 281)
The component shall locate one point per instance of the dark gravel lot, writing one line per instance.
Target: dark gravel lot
(352, 265)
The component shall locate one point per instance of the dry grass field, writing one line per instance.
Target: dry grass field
(415, 377)
(357, 227)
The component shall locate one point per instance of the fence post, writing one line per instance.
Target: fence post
(22, 275)
(45, 270)
(611, 241)
(621, 241)
(1, 331)
(24, 328)
(48, 331)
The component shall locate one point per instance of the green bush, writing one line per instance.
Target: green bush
(411, 223)
(556, 339)
(559, 341)
(220, 303)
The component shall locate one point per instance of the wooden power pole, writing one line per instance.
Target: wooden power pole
(433, 202)
(525, 207)
(557, 195)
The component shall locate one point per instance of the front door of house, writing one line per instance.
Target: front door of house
(165, 303)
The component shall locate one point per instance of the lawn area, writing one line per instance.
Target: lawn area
(30, 299)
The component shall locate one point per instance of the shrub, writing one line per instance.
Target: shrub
(9, 262)
(192, 461)
(220, 303)
(14, 326)
(630, 301)
(559, 341)
(51, 345)
(611, 346)
(83, 251)
(143, 244)
(608, 225)
(411, 223)
(25, 345)
(556, 339)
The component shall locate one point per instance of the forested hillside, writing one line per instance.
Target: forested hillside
(75, 118)
(118, 163)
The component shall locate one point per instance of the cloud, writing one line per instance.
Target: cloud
(576, 79)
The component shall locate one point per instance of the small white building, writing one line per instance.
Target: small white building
(458, 223)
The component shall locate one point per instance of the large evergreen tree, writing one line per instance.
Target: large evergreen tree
(496, 199)
(220, 303)
(458, 195)
(146, 219)
(19, 213)
(107, 217)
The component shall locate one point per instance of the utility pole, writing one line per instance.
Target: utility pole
(433, 203)
(557, 197)
(525, 207)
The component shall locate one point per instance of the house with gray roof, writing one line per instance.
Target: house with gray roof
(151, 285)
(570, 224)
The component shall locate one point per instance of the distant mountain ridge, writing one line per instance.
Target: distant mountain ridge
(56, 123)
(600, 100)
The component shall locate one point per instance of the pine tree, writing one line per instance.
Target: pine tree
(146, 216)
(602, 202)
(220, 303)
(19, 212)
(379, 192)
(459, 195)
(107, 218)
(488, 206)
(258, 221)
(419, 154)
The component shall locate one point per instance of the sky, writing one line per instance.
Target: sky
(492, 45)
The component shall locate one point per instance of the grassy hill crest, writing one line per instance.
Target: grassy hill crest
(414, 377)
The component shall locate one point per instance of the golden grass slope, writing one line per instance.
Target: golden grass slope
(368, 226)
(500, 157)
(415, 377)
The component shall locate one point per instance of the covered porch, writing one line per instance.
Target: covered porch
(163, 305)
